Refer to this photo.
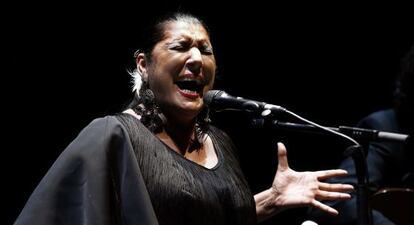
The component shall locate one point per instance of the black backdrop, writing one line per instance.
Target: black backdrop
(66, 64)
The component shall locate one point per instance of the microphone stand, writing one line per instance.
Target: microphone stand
(364, 211)
(356, 151)
(223, 101)
(361, 134)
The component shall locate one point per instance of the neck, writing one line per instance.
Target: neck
(179, 136)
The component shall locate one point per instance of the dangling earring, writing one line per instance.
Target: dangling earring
(152, 117)
(148, 99)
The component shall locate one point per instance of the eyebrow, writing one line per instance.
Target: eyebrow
(185, 37)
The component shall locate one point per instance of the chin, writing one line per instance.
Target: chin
(193, 110)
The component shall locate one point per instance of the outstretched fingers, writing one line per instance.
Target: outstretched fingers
(323, 207)
(336, 187)
(326, 174)
(282, 157)
(329, 195)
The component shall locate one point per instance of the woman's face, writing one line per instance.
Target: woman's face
(181, 70)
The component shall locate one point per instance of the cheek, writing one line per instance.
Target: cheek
(159, 85)
(170, 63)
(162, 86)
(159, 77)
(210, 74)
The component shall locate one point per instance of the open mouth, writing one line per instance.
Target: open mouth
(190, 86)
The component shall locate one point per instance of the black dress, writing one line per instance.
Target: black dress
(117, 172)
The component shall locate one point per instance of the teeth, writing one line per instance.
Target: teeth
(189, 85)
(198, 82)
(189, 91)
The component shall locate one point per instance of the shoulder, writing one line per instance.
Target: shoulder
(99, 136)
(103, 124)
(217, 132)
(222, 140)
(383, 114)
(113, 125)
(385, 120)
(89, 152)
(102, 128)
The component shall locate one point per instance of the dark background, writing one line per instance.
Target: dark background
(66, 64)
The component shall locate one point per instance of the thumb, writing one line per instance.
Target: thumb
(282, 156)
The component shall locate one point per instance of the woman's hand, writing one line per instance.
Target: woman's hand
(296, 189)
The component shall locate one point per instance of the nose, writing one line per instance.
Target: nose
(195, 62)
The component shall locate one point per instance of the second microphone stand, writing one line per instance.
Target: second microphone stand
(356, 151)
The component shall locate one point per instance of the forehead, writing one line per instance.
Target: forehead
(183, 29)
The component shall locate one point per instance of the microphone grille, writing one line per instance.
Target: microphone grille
(210, 95)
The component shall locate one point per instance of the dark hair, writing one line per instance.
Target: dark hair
(144, 102)
(155, 32)
(404, 82)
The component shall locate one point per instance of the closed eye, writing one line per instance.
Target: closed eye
(207, 51)
(183, 46)
(205, 48)
(179, 46)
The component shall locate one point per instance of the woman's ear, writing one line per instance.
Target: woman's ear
(142, 66)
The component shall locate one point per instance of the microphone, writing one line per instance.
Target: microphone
(220, 101)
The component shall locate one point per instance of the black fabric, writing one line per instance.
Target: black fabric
(184, 192)
(96, 180)
(104, 178)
